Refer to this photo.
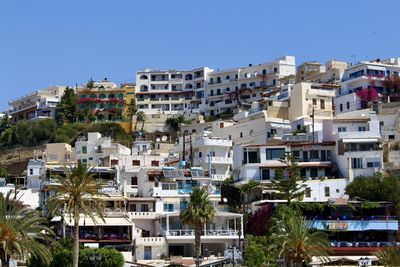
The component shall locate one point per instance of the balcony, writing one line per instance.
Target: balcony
(211, 234)
(219, 177)
(141, 215)
(216, 160)
(150, 241)
(206, 141)
(377, 224)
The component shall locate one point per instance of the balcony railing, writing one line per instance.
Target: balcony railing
(216, 160)
(221, 233)
(142, 215)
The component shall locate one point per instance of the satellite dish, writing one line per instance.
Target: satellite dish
(164, 138)
(158, 139)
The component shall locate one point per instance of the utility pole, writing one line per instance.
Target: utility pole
(313, 125)
(184, 146)
(191, 151)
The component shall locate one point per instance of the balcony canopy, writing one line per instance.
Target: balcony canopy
(87, 221)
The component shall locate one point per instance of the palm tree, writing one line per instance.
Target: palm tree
(77, 193)
(389, 257)
(295, 242)
(22, 232)
(140, 117)
(199, 211)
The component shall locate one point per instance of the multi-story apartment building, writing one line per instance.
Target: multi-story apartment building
(315, 160)
(311, 99)
(228, 89)
(94, 149)
(171, 91)
(170, 187)
(362, 83)
(104, 101)
(210, 153)
(313, 71)
(37, 105)
(358, 150)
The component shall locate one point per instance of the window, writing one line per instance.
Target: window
(373, 164)
(341, 129)
(322, 103)
(84, 150)
(251, 132)
(356, 163)
(314, 102)
(391, 136)
(135, 162)
(275, 153)
(30, 171)
(144, 207)
(341, 107)
(348, 105)
(265, 174)
(362, 129)
(314, 172)
(308, 192)
(155, 163)
(134, 180)
(241, 135)
(251, 156)
(132, 207)
(327, 191)
(114, 162)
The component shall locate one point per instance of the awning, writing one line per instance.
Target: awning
(87, 221)
(360, 140)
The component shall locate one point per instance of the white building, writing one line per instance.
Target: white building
(228, 89)
(170, 91)
(389, 119)
(358, 150)
(36, 172)
(364, 76)
(94, 148)
(170, 188)
(40, 104)
(315, 160)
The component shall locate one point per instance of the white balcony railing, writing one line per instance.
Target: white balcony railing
(216, 160)
(213, 233)
(142, 215)
(219, 177)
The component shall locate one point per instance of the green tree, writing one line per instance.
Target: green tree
(245, 190)
(288, 182)
(174, 122)
(140, 117)
(3, 172)
(109, 258)
(79, 192)
(199, 211)
(22, 232)
(389, 257)
(375, 188)
(131, 108)
(256, 254)
(66, 109)
(294, 241)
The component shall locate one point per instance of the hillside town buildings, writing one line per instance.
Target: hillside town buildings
(336, 119)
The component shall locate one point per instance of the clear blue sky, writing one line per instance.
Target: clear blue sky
(52, 42)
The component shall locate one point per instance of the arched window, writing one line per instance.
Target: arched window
(144, 77)
(83, 96)
(102, 105)
(102, 96)
(144, 88)
(218, 91)
(188, 77)
(188, 86)
(111, 96)
(92, 96)
(121, 95)
(92, 105)
(200, 154)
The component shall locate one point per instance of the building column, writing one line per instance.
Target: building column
(205, 229)
(167, 225)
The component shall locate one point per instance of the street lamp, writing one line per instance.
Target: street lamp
(95, 258)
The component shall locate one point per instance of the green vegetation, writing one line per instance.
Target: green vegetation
(175, 122)
(77, 192)
(389, 257)
(293, 240)
(33, 133)
(227, 115)
(22, 232)
(255, 253)
(61, 253)
(375, 188)
(288, 180)
(199, 211)
(66, 109)
(140, 117)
